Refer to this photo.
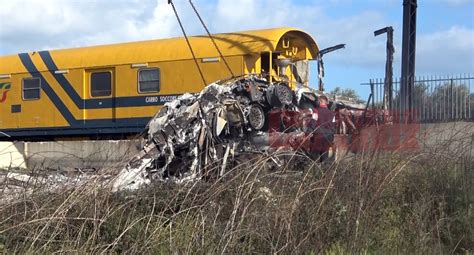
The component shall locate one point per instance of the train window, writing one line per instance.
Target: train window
(101, 84)
(149, 80)
(31, 88)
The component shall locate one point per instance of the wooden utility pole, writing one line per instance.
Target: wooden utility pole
(388, 83)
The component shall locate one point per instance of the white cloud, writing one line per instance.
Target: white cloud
(32, 25)
(249, 14)
(357, 32)
(443, 52)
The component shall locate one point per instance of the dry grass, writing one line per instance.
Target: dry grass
(398, 203)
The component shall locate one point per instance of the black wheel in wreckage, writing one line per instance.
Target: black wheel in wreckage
(256, 117)
(279, 95)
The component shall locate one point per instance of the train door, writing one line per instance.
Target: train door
(100, 91)
(268, 64)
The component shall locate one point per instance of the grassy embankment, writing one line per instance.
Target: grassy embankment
(390, 202)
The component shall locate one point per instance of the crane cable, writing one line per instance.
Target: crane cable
(187, 41)
(212, 38)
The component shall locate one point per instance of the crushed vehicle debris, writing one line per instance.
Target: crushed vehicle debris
(203, 134)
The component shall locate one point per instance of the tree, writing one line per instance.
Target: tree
(346, 94)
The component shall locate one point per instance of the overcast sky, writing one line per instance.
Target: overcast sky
(445, 41)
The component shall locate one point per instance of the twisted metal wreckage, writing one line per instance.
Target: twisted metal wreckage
(198, 135)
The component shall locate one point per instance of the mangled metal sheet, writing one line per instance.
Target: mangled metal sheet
(202, 134)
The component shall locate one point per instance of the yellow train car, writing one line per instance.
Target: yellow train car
(113, 90)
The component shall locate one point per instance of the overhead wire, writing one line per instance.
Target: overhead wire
(212, 38)
(187, 41)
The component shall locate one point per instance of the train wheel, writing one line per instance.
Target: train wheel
(256, 117)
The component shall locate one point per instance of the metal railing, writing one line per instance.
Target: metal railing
(435, 98)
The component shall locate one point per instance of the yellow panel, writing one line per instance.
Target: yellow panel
(65, 98)
(252, 64)
(126, 81)
(11, 64)
(36, 113)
